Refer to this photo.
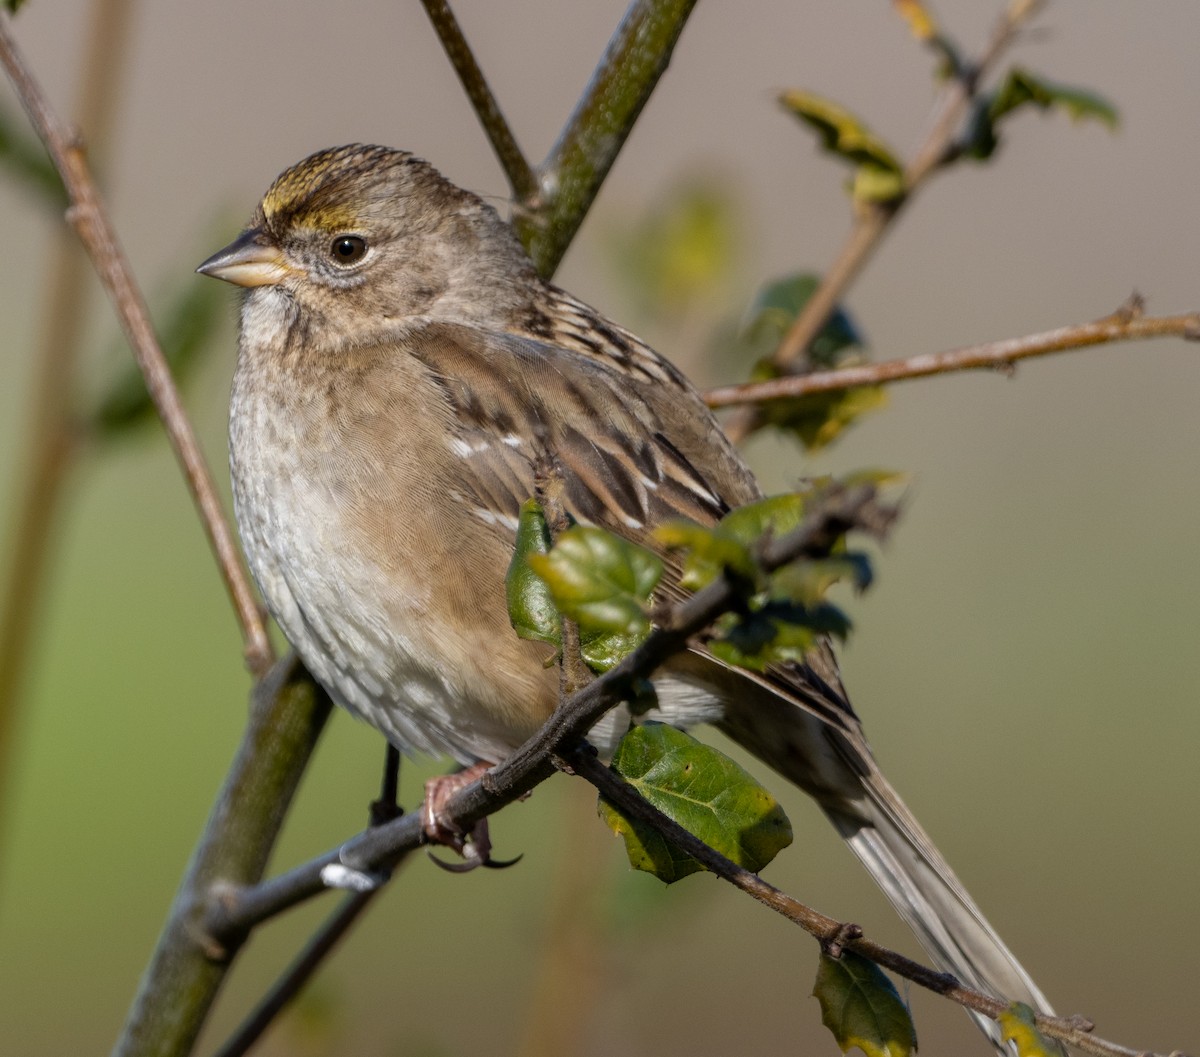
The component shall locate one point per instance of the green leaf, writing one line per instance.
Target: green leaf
(819, 418)
(776, 307)
(880, 175)
(862, 1008)
(599, 580)
(785, 611)
(1022, 88)
(704, 791)
(190, 322)
(729, 544)
(1017, 1025)
(25, 158)
(531, 608)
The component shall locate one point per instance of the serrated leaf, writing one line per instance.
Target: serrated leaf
(26, 158)
(841, 132)
(599, 580)
(707, 793)
(531, 608)
(1017, 1025)
(862, 1008)
(189, 323)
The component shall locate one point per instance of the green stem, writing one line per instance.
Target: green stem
(572, 173)
(183, 978)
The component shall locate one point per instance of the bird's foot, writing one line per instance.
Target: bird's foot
(475, 846)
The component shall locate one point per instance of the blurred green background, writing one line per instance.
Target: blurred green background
(1026, 664)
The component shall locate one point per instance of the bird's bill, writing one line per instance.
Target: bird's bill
(250, 260)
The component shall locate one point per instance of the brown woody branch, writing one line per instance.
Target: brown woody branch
(1073, 1030)
(874, 219)
(87, 215)
(1127, 324)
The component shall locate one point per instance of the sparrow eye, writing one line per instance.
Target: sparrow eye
(348, 249)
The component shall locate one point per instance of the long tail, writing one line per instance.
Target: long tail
(819, 746)
(932, 901)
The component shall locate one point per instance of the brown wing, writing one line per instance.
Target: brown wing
(521, 404)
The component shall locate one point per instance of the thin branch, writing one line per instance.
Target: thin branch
(1124, 325)
(297, 974)
(875, 219)
(306, 963)
(570, 177)
(90, 220)
(53, 440)
(237, 910)
(521, 177)
(827, 930)
(287, 715)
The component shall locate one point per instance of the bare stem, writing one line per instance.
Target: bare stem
(614, 789)
(993, 355)
(53, 439)
(875, 219)
(306, 963)
(521, 177)
(90, 220)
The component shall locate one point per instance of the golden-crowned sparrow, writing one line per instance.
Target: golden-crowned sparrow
(402, 373)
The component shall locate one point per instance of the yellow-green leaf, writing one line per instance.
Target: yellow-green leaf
(921, 22)
(862, 1008)
(880, 176)
(1018, 1026)
(704, 791)
(841, 132)
(599, 580)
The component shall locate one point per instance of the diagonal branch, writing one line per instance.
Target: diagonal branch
(54, 439)
(1073, 1030)
(1123, 325)
(521, 177)
(875, 219)
(570, 177)
(88, 216)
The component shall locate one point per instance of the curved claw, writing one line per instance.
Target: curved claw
(466, 866)
(501, 864)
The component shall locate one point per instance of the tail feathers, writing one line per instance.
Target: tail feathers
(932, 901)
